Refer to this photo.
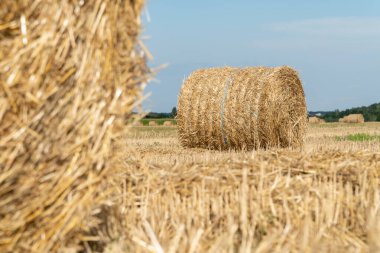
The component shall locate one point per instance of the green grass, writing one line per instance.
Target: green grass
(358, 137)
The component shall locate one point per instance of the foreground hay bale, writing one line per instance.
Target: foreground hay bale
(168, 123)
(152, 123)
(316, 120)
(353, 118)
(222, 108)
(68, 71)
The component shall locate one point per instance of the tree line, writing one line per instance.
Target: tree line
(162, 115)
(370, 113)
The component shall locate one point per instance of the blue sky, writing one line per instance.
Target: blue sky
(334, 45)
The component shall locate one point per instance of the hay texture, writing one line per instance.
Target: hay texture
(68, 71)
(316, 120)
(152, 123)
(352, 118)
(168, 123)
(250, 108)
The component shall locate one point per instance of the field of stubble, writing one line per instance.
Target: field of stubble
(324, 198)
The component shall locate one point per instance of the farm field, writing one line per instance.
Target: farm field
(162, 142)
(324, 198)
(135, 126)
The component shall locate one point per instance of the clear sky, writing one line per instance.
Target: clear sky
(334, 45)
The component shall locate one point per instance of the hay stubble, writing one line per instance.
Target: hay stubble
(323, 199)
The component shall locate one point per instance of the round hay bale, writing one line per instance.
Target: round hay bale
(168, 123)
(250, 108)
(353, 118)
(152, 123)
(316, 120)
(139, 123)
(70, 75)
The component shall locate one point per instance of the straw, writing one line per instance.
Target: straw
(68, 71)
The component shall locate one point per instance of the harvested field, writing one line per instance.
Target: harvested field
(324, 198)
(75, 178)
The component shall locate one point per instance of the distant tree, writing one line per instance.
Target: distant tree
(174, 112)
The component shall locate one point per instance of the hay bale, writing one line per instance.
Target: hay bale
(353, 118)
(139, 123)
(168, 123)
(68, 71)
(152, 123)
(223, 108)
(316, 120)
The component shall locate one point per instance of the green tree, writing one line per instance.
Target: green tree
(174, 112)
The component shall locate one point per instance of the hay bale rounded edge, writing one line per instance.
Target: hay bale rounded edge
(249, 108)
(316, 120)
(152, 123)
(353, 118)
(167, 123)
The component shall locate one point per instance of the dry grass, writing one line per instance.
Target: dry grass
(324, 198)
(256, 107)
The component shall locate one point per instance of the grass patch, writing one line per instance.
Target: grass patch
(358, 137)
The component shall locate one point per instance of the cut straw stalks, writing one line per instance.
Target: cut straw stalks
(283, 201)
